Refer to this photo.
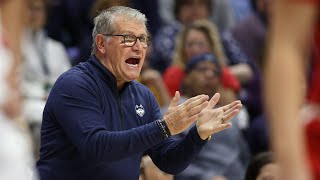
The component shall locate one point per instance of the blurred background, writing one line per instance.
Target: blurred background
(56, 35)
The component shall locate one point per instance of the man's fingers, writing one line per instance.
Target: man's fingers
(213, 101)
(237, 106)
(192, 119)
(175, 100)
(193, 102)
(228, 117)
(179, 117)
(197, 109)
(228, 106)
(191, 106)
(223, 127)
(195, 113)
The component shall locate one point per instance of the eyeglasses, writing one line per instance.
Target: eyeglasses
(206, 69)
(130, 40)
(199, 44)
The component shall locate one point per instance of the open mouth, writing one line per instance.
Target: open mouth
(133, 62)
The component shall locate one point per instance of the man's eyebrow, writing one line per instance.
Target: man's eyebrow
(132, 33)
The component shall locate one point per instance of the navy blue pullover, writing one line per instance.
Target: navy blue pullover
(90, 130)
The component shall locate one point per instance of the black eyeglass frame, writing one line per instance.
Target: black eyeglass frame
(216, 72)
(145, 44)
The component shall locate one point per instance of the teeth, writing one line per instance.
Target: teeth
(132, 65)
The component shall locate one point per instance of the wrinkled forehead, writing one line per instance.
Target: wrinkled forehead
(130, 25)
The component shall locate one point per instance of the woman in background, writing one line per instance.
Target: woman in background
(199, 37)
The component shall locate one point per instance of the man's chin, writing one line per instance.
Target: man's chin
(133, 77)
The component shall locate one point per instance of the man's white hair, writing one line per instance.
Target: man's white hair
(104, 23)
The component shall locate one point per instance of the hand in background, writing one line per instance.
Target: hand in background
(151, 77)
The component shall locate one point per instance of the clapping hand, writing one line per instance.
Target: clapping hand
(179, 117)
(214, 120)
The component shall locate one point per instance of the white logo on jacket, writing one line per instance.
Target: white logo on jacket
(140, 110)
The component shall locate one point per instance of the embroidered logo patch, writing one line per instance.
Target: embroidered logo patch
(140, 110)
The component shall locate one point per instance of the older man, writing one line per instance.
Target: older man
(98, 121)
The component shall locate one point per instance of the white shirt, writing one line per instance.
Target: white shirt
(37, 48)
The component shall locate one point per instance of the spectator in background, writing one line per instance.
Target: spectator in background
(44, 61)
(151, 10)
(203, 76)
(149, 171)
(250, 33)
(262, 167)
(101, 5)
(69, 22)
(227, 153)
(202, 37)
(186, 12)
(223, 14)
(197, 38)
(258, 135)
(15, 147)
(242, 9)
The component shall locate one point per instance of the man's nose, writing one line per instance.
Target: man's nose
(209, 72)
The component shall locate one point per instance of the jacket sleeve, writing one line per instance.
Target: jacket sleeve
(74, 102)
(175, 154)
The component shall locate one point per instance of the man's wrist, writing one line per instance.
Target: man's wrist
(164, 128)
(205, 138)
(209, 137)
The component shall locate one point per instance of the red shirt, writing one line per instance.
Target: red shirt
(313, 95)
(314, 87)
(174, 75)
(312, 129)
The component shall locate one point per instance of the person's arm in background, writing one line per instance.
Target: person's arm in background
(239, 63)
(13, 19)
(12, 13)
(242, 71)
(289, 42)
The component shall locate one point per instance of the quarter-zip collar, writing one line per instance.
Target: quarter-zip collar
(105, 74)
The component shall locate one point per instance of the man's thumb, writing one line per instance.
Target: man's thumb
(175, 100)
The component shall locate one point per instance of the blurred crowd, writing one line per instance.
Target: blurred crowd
(197, 47)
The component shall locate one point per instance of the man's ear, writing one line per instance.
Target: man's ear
(100, 43)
